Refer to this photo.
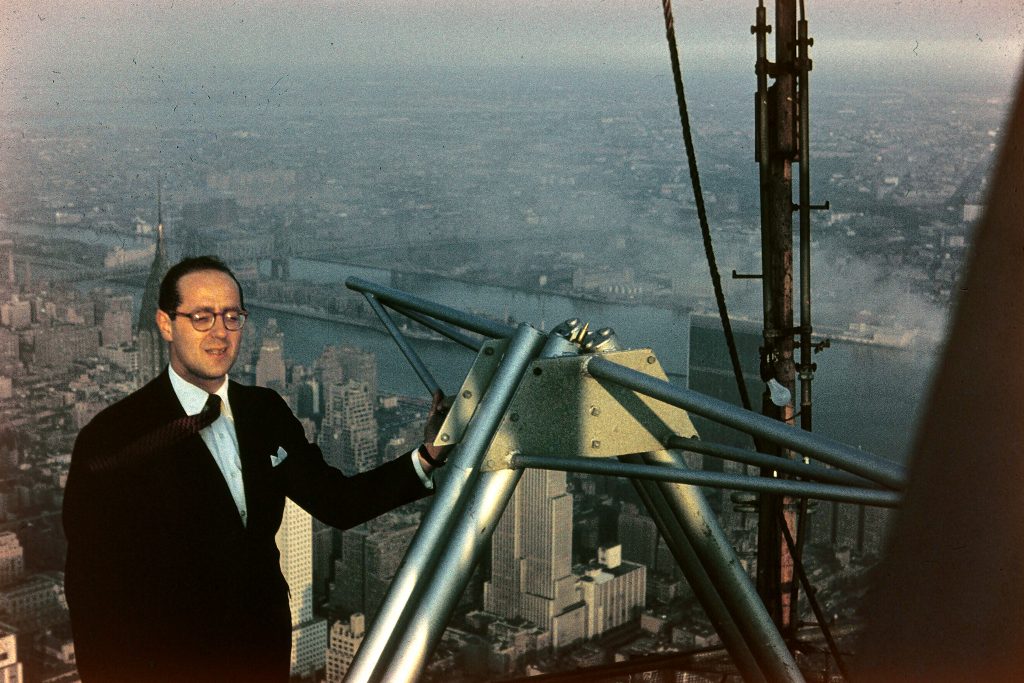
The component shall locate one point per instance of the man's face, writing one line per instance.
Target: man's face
(202, 358)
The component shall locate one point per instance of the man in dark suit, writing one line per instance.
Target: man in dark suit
(173, 571)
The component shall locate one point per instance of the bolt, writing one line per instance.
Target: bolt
(595, 444)
(595, 411)
(445, 438)
(488, 350)
(650, 360)
(537, 371)
(467, 394)
(514, 417)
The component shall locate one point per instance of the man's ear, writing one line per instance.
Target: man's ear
(163, 322)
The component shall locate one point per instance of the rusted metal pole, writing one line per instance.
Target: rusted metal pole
(779, 150)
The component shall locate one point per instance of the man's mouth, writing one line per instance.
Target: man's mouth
(216, 352)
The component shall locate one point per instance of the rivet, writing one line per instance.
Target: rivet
(467, 394)
(595, 411)
(514, 417)
(595, 444)
(488, 351)
(650, 360)
(445, 438)
(537, 371)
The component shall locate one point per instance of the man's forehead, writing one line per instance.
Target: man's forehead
(209, 288)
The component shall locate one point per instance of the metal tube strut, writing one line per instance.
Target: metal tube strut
(741, 482)
(703, 588)
(462, 471)
(797, 467)
(487, 500)
(476, 524)
(701, 527)
(467, 321)
(865, 464)
(441, 328)
(404, 346)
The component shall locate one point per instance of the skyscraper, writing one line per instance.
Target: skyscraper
(345, 641)
(339, 364)
(348, 590)
(531, 559)
(116, 328)
(370, 556)
(613, 590)
(12, 558)
(152, 348)
(10, 667)
(7, 262)
(349, 435)
(309, 634)
(270, 368)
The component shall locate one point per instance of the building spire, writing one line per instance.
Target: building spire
(160, 248)
(152, 350)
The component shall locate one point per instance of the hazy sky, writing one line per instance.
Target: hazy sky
(45, 41)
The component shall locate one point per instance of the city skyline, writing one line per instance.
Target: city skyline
(516, 159)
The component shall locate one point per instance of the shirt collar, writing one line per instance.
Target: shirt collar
(192, 398)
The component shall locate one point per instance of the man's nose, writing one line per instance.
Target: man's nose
(219, 328)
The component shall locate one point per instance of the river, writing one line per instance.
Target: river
(867, 396)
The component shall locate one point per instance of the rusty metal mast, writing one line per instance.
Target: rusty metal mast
(782, 138)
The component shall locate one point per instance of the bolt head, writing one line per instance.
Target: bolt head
(445, 438)
(467, 394)
(595, 443)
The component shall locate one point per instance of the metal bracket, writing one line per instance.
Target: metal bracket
(746, 276)
(472, 390)
(560, 410)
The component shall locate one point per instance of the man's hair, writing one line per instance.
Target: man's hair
(170, 297)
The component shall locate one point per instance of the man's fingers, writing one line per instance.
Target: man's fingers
(437, 400)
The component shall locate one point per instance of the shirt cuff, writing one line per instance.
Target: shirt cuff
(427, 479)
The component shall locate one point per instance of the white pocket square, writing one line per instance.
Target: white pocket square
(278, 458)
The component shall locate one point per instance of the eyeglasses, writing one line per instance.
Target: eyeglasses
(203, 321)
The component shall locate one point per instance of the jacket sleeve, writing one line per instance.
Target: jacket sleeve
(107, 617)
(330, 496)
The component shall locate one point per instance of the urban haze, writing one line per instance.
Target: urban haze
(524, 162)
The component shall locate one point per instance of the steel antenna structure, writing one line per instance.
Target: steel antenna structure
(576, 400)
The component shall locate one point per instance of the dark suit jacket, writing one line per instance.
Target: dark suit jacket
(163, 581)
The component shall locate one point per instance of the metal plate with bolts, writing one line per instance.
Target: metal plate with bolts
(471, 391)
(559, 410)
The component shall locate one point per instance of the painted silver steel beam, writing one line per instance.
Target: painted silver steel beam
(748, 457)
(467, 539)
(719, 559)
(725, 480)
(867, 465)
(418, 575)
(403, 345)
(467, 321)
(441, 328)
(430, 616)
(703, 588)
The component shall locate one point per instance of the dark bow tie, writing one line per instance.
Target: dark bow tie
(163, 437)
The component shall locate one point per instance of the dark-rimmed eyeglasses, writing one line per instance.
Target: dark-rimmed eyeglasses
(203, 321)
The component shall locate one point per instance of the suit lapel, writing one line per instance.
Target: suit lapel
(195, 458)
(246, 416)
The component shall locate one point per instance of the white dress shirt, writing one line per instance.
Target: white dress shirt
(221, 439)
